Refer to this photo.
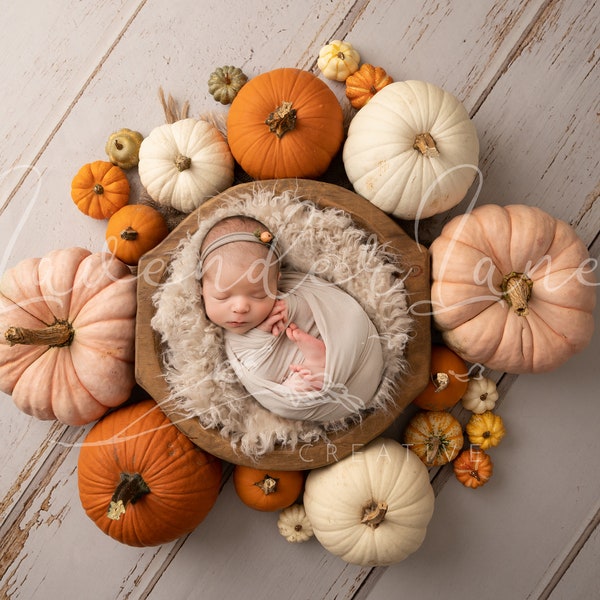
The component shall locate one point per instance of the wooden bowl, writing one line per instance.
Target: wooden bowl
(149, 368)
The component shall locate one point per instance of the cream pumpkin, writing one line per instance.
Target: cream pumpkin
(513, 288)
(371, 508)
(412, 150)
(68, 325)
(184, 163)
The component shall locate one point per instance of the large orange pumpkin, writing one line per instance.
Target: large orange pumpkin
(285, 123)
(68, 329)
(141, 480)
(513, 288)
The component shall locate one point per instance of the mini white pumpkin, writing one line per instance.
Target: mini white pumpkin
(481, 395)
(372, 508)
(412, 150)
(184, 163)
(338, 60)
(293, 524)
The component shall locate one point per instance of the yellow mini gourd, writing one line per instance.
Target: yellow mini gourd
(485, 430)
(123, 148)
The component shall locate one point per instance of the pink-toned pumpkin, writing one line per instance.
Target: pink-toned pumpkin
(513, 288)
(68, 330)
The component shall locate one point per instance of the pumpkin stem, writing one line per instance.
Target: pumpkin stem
(374, 514)
(475, 474)
(130, 489)
(58, 334)
(268, 484)
(282, 119)
(183, 162)
(516, 289)
(440, 381)
(98, 189)
(129, 234)
(425, 143)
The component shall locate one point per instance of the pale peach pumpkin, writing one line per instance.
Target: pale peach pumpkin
(68, 330)
(513, 288)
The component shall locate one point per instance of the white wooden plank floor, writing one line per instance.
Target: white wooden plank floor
(73, 72)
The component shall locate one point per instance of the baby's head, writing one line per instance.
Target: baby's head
(239, 271)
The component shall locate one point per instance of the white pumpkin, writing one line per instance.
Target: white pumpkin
(412, 150)
(184, 163)
(481, 395)
(372, 508)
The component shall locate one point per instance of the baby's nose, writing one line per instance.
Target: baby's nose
(241, 306)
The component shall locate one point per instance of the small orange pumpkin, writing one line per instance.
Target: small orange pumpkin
(133, 230)
(267, 490)
(285, 123)
(473, 467)
(100, 189)
(362, 85)
(448, 381)
(141, 480)
(436, 437)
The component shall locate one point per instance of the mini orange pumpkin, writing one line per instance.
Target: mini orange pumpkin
(473, 467)
(100, 189)
(285, 123)
(141, 480)
(362, 85)
(133, 230)
(267, 490)
(448, 383)
(436, 437)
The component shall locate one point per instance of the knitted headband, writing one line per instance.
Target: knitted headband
(264, 238)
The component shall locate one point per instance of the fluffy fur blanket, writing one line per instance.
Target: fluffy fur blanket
(325, 242)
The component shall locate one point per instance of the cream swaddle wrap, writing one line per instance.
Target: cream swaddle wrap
(354, 357)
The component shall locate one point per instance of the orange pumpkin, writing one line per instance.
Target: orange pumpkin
(133, 230)
(100, 189)
(267, 490)
(285, 123)
(141, 480)
(68, 325)
(362, 85)
(473, 467)
(436, 437)
(448, 381)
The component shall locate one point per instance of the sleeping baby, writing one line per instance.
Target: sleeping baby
(302, 347)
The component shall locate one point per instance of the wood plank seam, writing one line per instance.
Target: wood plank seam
(511, 56)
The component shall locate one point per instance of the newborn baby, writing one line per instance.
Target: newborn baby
(301, 346)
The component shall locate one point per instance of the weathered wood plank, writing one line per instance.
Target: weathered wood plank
(578, 582)
(47, 58)
(539, 123)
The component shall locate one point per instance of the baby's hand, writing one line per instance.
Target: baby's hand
(277, 319)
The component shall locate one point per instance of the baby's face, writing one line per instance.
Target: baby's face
(239, 291)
